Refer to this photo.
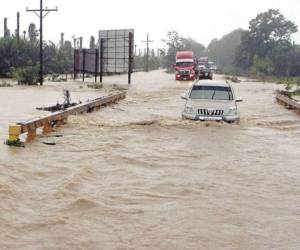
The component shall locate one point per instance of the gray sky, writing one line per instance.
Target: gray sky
(198, 19)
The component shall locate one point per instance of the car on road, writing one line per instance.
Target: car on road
(211, 101)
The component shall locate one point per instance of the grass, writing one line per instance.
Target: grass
(95, 85)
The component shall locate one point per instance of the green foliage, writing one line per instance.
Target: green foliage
(175, 42)
(95, 86)
(262, 67)
(222, 51)
(140, 62)
(28, 75)
(4, 84)
(266, 48)
(21, 53)
(16, 53)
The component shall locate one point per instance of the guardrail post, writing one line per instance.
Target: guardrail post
(47, 127)
(31, 135)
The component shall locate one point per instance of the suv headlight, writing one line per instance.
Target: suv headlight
(189, 110)
(232, 111)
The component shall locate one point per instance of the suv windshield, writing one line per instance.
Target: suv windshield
(211, 93)
(184, 64)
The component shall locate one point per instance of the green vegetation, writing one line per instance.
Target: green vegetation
(26, 75)
(222, 52)
(266, 48)
(4, 84)
(20, 57)
(174, 43)
(264, 51)
(95, 85)
(140, 61)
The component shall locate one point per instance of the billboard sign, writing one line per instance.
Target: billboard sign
(117, 54)
(86, 61)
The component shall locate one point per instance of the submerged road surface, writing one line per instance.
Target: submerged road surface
(135, 176)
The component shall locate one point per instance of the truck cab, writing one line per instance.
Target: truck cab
(185, 67)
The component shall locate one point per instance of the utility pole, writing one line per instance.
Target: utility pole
(147, 52)
(41, 13)
(18, 26)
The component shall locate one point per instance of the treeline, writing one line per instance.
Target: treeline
(19, 57)
(175, 42)
(265, 49)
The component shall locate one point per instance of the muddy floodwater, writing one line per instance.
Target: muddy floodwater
(135, 176)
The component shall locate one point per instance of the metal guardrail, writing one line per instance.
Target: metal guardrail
(57, 119)
(288, 102)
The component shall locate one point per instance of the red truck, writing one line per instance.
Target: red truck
(185, 66)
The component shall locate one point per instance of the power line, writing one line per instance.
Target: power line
(147, 53)
(41, 13)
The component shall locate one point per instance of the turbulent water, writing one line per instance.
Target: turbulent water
(135, 176)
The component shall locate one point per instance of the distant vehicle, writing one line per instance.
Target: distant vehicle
(204, 70)
(211, 101)
(185, 66)
(212, 66)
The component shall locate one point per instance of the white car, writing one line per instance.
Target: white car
(211, 101)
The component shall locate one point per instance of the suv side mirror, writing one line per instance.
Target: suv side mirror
(239, 99)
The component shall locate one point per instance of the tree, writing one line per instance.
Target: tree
(223, 51)
(175, 42)
(271, 26)
(192, 45)
(268, 37)
(262, 67)
(92, 42)
(32, 33)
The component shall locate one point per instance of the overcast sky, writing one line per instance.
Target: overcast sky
(198, 19)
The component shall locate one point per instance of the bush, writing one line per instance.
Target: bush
(5, 84)
(28, 75)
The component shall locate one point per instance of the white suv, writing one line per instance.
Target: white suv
(211, 101)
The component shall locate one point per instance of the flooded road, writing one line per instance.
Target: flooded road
(135, 176)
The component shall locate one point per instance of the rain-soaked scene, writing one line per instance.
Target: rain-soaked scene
(153, 134)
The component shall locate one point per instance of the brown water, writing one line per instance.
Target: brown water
(135, 176)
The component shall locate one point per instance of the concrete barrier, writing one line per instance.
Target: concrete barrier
(288, 102)
(48, 122)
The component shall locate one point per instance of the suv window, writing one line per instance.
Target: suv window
(211, 93)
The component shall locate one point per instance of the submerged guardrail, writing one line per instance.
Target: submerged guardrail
(288, 102)
(56, 119)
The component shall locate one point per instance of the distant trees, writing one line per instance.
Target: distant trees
(175, 42)
(222, 51)
(19, 57)
(140, 61)
(268, 42)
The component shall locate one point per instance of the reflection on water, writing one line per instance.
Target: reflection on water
(135, 176)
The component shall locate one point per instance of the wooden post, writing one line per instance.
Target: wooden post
(83, 64)
(74, 66)
(101, 59)
(96, 64)
(130, 57)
